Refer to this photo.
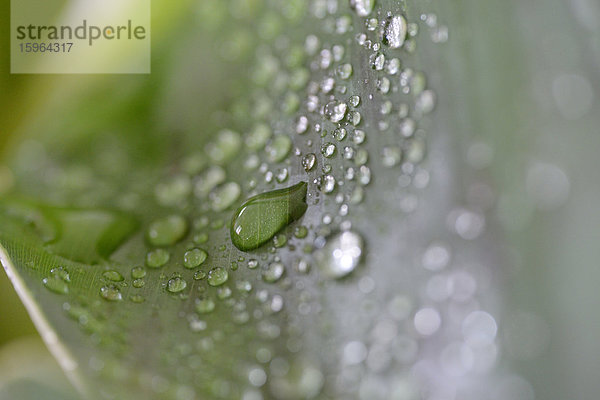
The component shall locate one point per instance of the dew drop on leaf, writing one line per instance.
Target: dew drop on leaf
(395, 31)
(273, 273)
(56, 284)
(194, 258)
(176, 284)
(113, 275)
(157, 258)
(340, 255)
(167, 231)
(217, 276)
(110, 293)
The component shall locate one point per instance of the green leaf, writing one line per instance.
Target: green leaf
(380, 279)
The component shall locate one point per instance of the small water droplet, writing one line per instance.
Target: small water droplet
(341, 254)
(335, 111)
(138, 272)
(224, 196)
(308, 161)
(217, 276)
(262, 216)
(176, 284)
(362, 7)
(199, 275)
(273, 273)
(344, 71)
(56, 284)
(138, 283)
(328, 184)
(279, 240)
(252, 264)
(194, 258)
(204, 305)
(136, 298)
(278, 148)
(157, 258)
(300, 232)
(113, 275)
(328, 150)
(395, 31)
(110, 293)
(167, 231)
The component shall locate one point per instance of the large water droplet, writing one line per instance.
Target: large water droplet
(341, 254)
(262, 216)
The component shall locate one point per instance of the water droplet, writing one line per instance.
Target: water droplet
(282, 175)
(212, 177)
(56, 284)
(344, 71)
(262, 216)
(199, 275)
(176, 284)
(194, 258)
(252, 264)
(335, 111)
(279, 148)
(279, 240)
(328, 184)
(258, 137)
(425, 102)
(173, 192)
(273, 273)
(136, 298)
(359, 136)
(328, 150)
(157, 258)
(354, 101)
(226, 146)
(167, 231)
(407, 127)
(395, 31)
(113, 275)
(391, 156)
(308, 161)
(217, 276)
(341, 254)
(362, 7)
(138, 283)
(204, 305)
(427, 321)
(377, 61)
(301, 124)
(138, 272)
(111, 293)
(300, 232)
(224, 196)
